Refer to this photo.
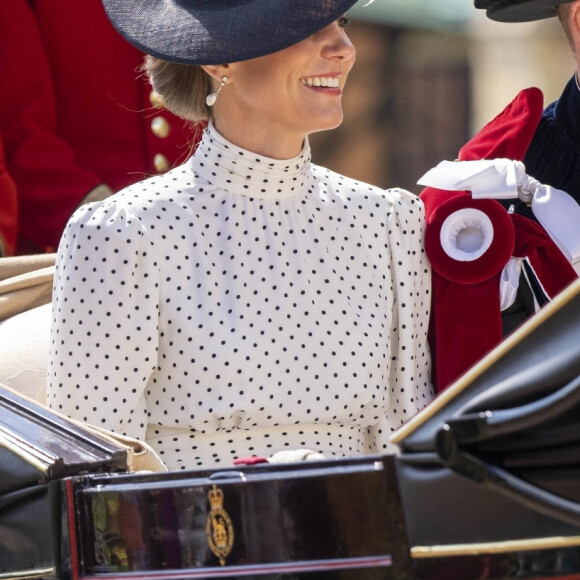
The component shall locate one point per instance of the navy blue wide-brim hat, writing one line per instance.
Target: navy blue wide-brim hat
(219, 31)
(519, 10)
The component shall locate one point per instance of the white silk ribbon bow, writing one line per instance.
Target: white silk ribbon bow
(557, 212)
(486, 178)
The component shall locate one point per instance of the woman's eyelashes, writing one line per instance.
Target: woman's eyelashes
(344, 22)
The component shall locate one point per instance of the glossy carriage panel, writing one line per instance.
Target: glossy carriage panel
(339, 519)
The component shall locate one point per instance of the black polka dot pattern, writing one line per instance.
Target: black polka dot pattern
(238, 306)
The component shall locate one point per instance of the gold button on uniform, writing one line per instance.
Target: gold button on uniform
(161, 163)
(156, 100)
(160, 127)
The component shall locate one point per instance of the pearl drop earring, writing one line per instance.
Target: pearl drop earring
(212, 97)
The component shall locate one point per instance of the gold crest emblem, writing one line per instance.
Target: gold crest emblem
(219, 530)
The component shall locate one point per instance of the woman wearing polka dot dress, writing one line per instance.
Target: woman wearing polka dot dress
(248, 301)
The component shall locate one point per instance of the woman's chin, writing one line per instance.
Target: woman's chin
(327, 123)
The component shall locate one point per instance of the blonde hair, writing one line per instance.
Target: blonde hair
(183, 87)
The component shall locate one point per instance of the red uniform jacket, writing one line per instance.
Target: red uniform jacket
(74, 113)
(8, 209)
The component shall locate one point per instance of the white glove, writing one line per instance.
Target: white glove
(294, 455)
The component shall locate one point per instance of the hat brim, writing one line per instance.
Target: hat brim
(222, 31)
(519, 10)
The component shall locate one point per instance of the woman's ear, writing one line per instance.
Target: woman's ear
(216, 72)
(575, 26)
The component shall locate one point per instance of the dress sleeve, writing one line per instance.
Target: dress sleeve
(104, 333)
(410, 387)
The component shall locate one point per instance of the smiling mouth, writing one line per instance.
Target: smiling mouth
(328, 82)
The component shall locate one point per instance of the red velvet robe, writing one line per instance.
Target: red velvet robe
(466, 315)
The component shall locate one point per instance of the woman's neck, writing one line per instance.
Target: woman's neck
(271, 142)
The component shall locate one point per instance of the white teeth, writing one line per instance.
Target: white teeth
(331, 82)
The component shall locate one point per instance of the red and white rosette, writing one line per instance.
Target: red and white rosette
(476, 249)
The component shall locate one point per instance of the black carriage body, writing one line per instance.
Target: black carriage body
(342, 520)
(70, 510)
(489, 473)
(38, 450)
(487, 486)
(330, 520)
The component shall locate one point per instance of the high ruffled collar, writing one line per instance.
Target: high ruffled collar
(242, 172)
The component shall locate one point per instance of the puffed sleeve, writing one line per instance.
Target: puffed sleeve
(409, 385)
(104, 332)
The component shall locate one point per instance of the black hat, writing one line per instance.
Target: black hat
(219, 31)
(519, 10)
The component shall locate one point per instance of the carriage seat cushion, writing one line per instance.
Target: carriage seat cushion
(24, 350)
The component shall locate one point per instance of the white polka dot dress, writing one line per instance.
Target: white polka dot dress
(239, 305)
